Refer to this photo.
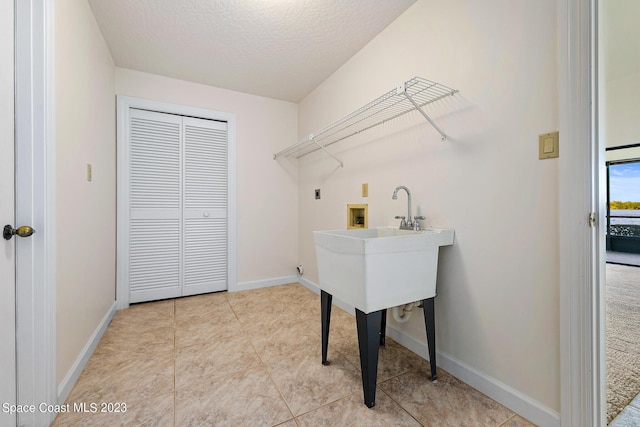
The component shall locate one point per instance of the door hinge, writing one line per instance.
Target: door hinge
(592, 219)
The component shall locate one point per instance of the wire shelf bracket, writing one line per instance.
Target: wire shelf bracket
(325, 150)
(402, 90)
(413, 94)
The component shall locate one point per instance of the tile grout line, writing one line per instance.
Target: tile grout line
(413, 370)
(326, 404)
(398, 403)
(264, 365)
(507, 420)
(296, 416)
(266, 368)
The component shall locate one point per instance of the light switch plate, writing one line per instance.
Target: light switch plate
(548, 145)
(365, 190)
(89, 172)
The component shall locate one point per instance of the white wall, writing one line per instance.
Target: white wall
(498, 303)
(622, 110)
(621, 72)
(267, 195)
(85, 133)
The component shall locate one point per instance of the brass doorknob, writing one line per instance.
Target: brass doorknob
(24, 231)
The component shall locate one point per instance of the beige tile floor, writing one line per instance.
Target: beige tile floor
(253, 359)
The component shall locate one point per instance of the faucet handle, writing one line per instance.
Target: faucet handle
(419, 217)
(416, 224)
(403, 223)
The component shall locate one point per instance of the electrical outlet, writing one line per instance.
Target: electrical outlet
(317, 192)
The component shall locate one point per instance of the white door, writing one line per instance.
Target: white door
(155, 215)
(177, 206)
(27, 287)
(7, 207)
(205, 206)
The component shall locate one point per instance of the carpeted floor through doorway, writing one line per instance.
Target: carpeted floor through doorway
(622, 337)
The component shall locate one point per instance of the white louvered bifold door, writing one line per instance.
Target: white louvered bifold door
(155, 202)
(205, 206)
(178, 206)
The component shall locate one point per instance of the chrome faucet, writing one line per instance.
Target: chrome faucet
(404, 224)
(407, 224)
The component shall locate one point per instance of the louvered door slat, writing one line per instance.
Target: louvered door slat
(205, 164)
(154, 267)
(154, 161)
(205, 254)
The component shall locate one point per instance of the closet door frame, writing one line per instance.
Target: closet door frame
(124, 106)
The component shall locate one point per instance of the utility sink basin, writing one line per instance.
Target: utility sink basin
(374, 269)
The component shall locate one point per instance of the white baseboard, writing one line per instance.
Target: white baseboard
(257, 284)
(516, 401)
(65, 387)
(309, 284)
(335, 301)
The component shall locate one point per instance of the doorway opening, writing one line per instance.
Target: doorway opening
(622, 283)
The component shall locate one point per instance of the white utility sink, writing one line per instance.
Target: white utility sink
(374, 269)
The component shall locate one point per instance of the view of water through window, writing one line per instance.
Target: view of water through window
(624, 196)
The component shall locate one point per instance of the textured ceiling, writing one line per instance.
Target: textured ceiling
(276, 48)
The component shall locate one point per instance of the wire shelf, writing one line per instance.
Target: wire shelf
(411, 95)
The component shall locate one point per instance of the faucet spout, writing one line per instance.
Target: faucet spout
(409, 222)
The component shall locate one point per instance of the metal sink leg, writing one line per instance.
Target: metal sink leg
(369, 326)
(325, 310)
(430, 325)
